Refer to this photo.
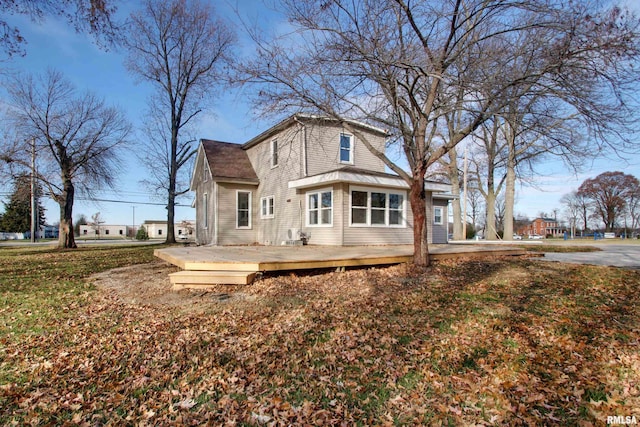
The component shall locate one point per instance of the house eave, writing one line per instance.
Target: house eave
(349, 177)
(223, 180)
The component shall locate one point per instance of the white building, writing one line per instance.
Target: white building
(104, 231)
(157, 229)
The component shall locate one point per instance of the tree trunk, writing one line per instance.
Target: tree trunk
(419, 208)
(490, 226)
(510, 184)
(455, 191)
(173, 174)
(66, 238)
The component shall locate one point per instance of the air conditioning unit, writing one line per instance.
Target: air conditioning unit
(293, 234)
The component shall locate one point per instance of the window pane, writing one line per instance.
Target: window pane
(395, 218)
(243, 218)
(313, 217)
(264, 207)
(377, 216)
(326, 216)
(326, 200)
(243, 200)
(345, 141)
(395, 201)
(378, 200)
(270, 201)
(358, 216)
(359, 198)
(313, 201)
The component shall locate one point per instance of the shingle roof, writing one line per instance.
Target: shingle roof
(228, 161)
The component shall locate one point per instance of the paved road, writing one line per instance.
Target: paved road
(627, 256)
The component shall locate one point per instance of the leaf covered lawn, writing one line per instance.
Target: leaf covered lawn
(467, 342)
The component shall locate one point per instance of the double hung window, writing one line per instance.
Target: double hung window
(320, 208)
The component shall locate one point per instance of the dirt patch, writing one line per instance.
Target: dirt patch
(148, 284)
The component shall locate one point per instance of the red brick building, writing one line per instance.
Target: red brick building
(542, 227)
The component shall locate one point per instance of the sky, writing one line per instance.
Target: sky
(54, 44)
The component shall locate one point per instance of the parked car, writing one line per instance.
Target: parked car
(535, 237)
(517, 237)
(182, 237)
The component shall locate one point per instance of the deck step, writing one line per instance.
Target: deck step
(200, 279)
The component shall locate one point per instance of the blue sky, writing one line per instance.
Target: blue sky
(54, 44)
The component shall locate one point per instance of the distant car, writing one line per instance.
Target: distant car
(535, 237)
(183, 237)
(517, 237)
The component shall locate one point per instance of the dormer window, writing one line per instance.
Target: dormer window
(346, 148)
(274, 153)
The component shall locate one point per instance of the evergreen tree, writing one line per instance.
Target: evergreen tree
(17, 212)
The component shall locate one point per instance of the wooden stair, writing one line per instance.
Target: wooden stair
(201, 279)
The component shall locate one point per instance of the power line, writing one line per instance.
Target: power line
(127, 202)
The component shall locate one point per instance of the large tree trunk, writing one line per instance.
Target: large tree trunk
(510, 184)
(419, 207)
(66, 238)
(173, 174)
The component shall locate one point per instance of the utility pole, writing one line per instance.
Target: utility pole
(34, 214)
(133, 226)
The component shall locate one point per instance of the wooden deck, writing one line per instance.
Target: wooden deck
(208, 265)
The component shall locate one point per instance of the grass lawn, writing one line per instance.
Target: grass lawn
(476, 342)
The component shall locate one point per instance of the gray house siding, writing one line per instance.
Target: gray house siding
(323, 147)
(274, 183)
(205, 190)
(228, 233)
(439, 231)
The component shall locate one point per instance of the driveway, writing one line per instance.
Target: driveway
(626, 256)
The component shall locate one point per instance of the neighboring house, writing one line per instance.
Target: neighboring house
(157, 229)
(307, 177)
(543, 227)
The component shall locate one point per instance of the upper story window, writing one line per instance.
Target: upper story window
(243, 209)
(320, 208)
(346, 148)
(205, 172)
(274, 153)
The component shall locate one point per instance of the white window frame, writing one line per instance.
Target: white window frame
(308, 211)
(205, 213)
(243, 227)
(435, 209)
(388, 192)
(205, 167)
(267, 207)
(274, 153)
(351, 147)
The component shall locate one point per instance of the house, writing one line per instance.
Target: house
(307, 178)
(157, 229)
(542, 227)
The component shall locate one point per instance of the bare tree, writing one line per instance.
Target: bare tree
(402, 65)
(76, 137)
(92, 16)
(609, 193)
(180, 48)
